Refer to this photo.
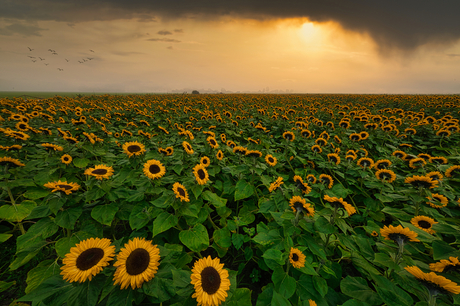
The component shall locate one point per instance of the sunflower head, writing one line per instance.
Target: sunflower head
(386, 175)
(154, 169)
(271, 160)
(201, 175)
(334, 158)
(424, 223)
(66, 159)
(205, 161)
(87, 259)
(133, 148)
(434, 283)
(398, 234)
(326, 180)
(100, 172)
(210, 281)
(219, 155)
(136, 263)
(421, 181)
(365, 162)
(180, 192)
(297, 258)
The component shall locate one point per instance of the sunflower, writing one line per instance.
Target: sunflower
(271, 160)
(212, 142)
(62, 186)
(136, 263)
(305, 133)
(253, 153)
(421, 181)
(66, 159)
(219, 155)
(276, 184)
(311, 179)
(100, 172)
(133, 148)
(453, 171)
(386, 175)
(382, 164)
(438, 160)
(298, 203)
(187, 147)
(443, 133)
(399, 154)
(398, 234)
(424, 223)
(321, 142)
(154, 169)
(417, 162)
(334, 158)
(355, 137)
(364, 135)
(446, 265)
(289, 136)
(435, 175)
(326, 180)
(86, 259)
(365, 162)
(339, 202)
(316, 149)
(181, 192)
(52, 146)
(240, 149)
(10, 161)
(425, 156)
(374, 234)
(22, 126)
(435, 283)
(439, 198)
(17, 135)
(201, 175)
(205, 161)
(297, 258)
(210, 281)
(231, 144)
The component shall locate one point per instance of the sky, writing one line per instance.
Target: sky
(292, 46)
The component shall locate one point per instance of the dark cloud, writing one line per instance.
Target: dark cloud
(21, 29)
(164, 40)
(164, 33)
(178, 31)
(393, 24)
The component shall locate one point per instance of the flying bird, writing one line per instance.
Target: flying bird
(46, 64)
(60, 69)
(30, 49)
(90, 58)
(91, 50)
(30, 56)
(34, 61)
(42, 59)
(67, 60)
(54, 53)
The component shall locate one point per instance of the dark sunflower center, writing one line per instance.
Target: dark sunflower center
(295, 257)
(22, 126)
(325, 180)
(254, 154)
(398, 238)
(181, 191)
(434, 177)
(189, 148)
(99, 171)
(365, 163)
(354, 137)
(66, 158)
(271, 160)
(66, 187)
(399, 155)
(205, 161)
(305, 134)
(134, 148)
(213, 142)
(201, 174)
(288, 137)
(424, 224)
(210, 280)
(333, 159)
(382, 165)
(137, 262)
(89, 258)
(424, 184)
(384, 175)
(154, 169)
(298, 206)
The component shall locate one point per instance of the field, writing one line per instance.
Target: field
(323, 200)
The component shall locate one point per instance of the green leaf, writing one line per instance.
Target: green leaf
(398, 213)
(237, 240)
(275, 255)
(391, 294)
(214, 199)
(139, 217)
(279, 300)
(121, 298)
(68, 217)
(241, 296)
(39, 212)
(323, 226)
(64, 244)
(356, 287)
(5, 285)
(136, 196)
(163, 222)
(94, 194)
(17, 213)
(81, 162)
(442, 250)
(35, 193)
(196, 238)
(320, 285)
(222, 237)
(197, 190)
(43, 229)
(181, 278)
(163, 201)
(104, 214)
(37, 275)
(47, 288)
(5, 237)
(284, 284)
(243, 190)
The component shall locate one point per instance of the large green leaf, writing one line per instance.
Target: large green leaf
(17, 213)
(163, 222)
(104, 213)
(195, 238)
(356, 287)
(243, 190)
(214, 199)
(67, 218)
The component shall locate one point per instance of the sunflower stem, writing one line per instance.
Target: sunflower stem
(11, 196)
(212, 222)
(432, 299)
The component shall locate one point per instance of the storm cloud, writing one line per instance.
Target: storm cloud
(392, 24)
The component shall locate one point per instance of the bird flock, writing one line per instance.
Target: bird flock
(53, 53)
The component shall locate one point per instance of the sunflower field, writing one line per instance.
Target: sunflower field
(327, 200)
